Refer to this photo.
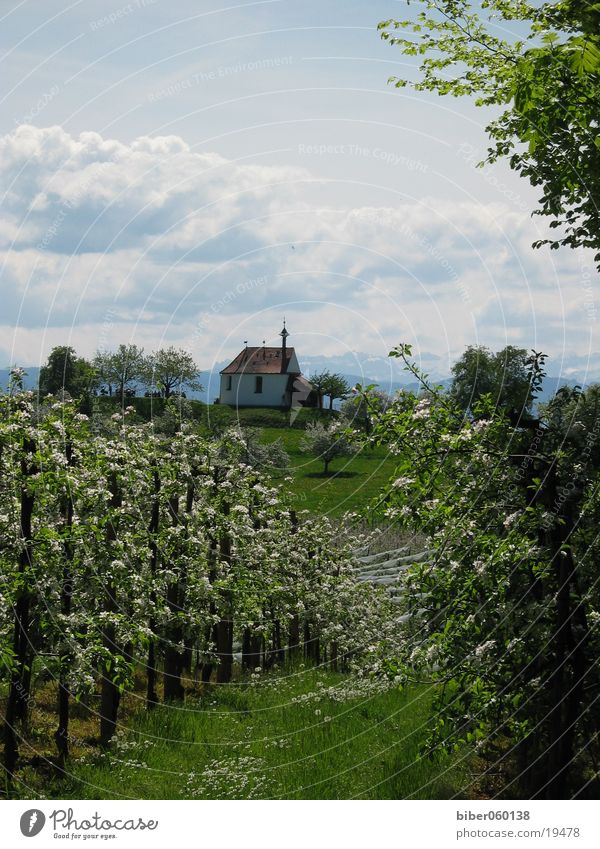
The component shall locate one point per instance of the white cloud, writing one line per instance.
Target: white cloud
(169, 242)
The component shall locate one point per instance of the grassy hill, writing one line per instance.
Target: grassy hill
(352, 483)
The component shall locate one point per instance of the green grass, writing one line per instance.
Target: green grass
(283, 737)
(352, 483)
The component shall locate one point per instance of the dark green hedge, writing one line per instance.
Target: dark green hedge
(214, 416)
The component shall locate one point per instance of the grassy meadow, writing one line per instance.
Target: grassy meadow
(351, 484)
(301, 734)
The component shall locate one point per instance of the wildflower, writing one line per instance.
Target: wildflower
(484, 648)
(511, 519)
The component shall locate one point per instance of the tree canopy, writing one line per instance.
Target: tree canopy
(547, 81)
(325, 442)
(119, 369)
(171, 370)
(336, 386)
(333, 385)
(64, 371)
(503, 375)
(319, 383)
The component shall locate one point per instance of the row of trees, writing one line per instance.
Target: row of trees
(170, 370)
(127, 552)
(166, 372)
(504, 620)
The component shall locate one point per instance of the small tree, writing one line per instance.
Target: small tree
(336, 386)
(120, 368)
(326, 443)
(170, 370)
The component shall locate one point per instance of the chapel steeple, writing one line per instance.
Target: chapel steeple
(284, 335)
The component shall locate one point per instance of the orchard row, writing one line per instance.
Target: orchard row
(128, 550)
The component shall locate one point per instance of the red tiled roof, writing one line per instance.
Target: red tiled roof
(260, 361)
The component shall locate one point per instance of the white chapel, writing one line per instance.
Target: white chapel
(266, 377)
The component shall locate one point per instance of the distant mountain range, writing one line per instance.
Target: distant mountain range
(355, 367)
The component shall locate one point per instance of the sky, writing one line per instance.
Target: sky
(189, 172)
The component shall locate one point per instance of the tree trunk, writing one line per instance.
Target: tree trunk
(568, 677)
(307, 645)
(294, 630)
(19, 689)
(110, 695)
(246, 648)
(173, 654)
(279, 651)
(294, 637)
(334, 656)
(186, 662)
(566, 661)
(224, 641)
(207, 667)
(224, 628)
(251, 649)
(151, 694)
(188, 657)
(209, 634)
(62, 732)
